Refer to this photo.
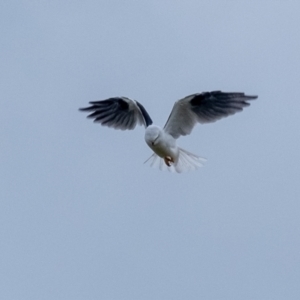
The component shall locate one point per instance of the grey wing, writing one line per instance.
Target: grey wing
(119, 113)
(205, 107)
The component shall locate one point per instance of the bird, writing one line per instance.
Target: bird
(125, 114)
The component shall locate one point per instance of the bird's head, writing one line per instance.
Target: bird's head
(151, 135)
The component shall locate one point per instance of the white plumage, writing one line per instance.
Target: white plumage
(124, 113)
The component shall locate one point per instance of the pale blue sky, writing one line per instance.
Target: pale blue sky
(81, 216)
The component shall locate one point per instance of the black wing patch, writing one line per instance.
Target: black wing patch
(119, 113)
(212, 106)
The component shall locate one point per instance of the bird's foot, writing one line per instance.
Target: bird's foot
(168, 160)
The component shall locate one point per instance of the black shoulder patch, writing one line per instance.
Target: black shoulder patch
(122, 104)
(145, 114)
(200, 98)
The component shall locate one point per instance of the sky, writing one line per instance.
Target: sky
(82, 216)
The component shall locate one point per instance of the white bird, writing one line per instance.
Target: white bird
(124, 113)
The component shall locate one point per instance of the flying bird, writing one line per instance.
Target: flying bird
(124, 113)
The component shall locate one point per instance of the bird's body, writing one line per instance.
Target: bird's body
(124, 113)
(161, 142)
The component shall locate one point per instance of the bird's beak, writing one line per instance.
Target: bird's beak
(153, 143)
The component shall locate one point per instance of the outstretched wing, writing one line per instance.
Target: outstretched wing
(206, 107)
(119, 113)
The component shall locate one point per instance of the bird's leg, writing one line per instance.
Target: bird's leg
(168, 160)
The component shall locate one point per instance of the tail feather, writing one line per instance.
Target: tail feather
(187, 161)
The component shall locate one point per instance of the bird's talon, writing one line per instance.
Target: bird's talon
(168, 160)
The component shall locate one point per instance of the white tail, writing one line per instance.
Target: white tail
(187, 161)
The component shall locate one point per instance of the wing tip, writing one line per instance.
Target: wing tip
(250, 97)
(83, 108)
